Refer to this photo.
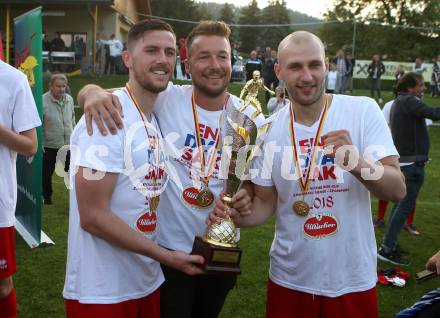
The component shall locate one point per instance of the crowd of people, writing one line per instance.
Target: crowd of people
(133, 217)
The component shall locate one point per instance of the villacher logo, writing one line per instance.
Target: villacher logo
(320, 226)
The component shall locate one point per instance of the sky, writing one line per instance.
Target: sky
(314, 8)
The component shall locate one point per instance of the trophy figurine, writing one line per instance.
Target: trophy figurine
(251, 89)
(219, 245)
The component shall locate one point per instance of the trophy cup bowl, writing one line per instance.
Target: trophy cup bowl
(219, 245)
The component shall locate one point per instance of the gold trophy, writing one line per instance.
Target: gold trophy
(251, 89)
(219, 245)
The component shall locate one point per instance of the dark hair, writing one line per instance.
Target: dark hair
(138, 30)
(408, 80)
(219, 28)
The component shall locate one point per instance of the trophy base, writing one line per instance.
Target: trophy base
(218, 259)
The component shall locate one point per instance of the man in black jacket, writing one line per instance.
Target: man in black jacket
(410, 135)
(375, 71)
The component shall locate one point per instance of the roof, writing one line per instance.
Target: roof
(60, 2)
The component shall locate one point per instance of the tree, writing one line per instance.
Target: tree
(250, 15)
(227, 14)
(384, 27)
(204, 12)
(275, 13)
(177, 9)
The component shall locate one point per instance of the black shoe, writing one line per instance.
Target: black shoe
(48, 201)
(393, 257)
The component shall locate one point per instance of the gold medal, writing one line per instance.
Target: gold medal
(301, 208)
(205, 198)
(154, 203)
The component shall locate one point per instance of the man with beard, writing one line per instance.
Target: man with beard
(113, 265)
(323, 257)
(193, 112)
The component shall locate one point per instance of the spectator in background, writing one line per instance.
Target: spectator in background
(18, 119)
(419, 67)
(79, 47)
(435, 78)
(375, 71)
(343, 68)
(252, 64)
(46, 42)
(411, 138)
(183, 57)
(260, 53)
(57, 44)
(115, 49)
(349, 77)
(382, 204)
(58, 123)
(234, 54)
(278, 101)
(269, 75)
(332, 79)
(400, 71)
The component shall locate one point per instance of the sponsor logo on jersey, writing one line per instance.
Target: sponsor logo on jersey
(146, 222)
(320, 226)
(189, 196)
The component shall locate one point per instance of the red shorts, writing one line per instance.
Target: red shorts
(287, 303)
(148, 306)
(8, 265)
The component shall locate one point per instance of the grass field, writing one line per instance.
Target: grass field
(39, 281)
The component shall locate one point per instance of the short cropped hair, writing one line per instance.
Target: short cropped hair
(56, 76)
(408, 80)
(219, 28)
(138, 29)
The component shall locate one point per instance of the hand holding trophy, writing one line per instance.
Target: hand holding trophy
(219, 245)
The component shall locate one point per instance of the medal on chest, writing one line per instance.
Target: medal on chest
(153, 160)
(203, 196)
(300, 206)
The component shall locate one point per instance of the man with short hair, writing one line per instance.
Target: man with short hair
(343, 68)
(269, 75)
(253, 63)
(196, 164)
(410, 135)
(115, 50)
(18, 119)
(58, 123)
(113, 265)
(323, 256)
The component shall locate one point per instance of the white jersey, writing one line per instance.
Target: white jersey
(332, 78)
(17, 113)
(331, 251)
(97, 271)
(180, 217)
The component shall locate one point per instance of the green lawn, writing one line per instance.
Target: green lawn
(39, 281)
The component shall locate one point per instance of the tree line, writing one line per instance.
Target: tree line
(396, 29)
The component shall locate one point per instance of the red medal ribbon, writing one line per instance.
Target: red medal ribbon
(213, 156)
(150, 138)
(310, 166)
